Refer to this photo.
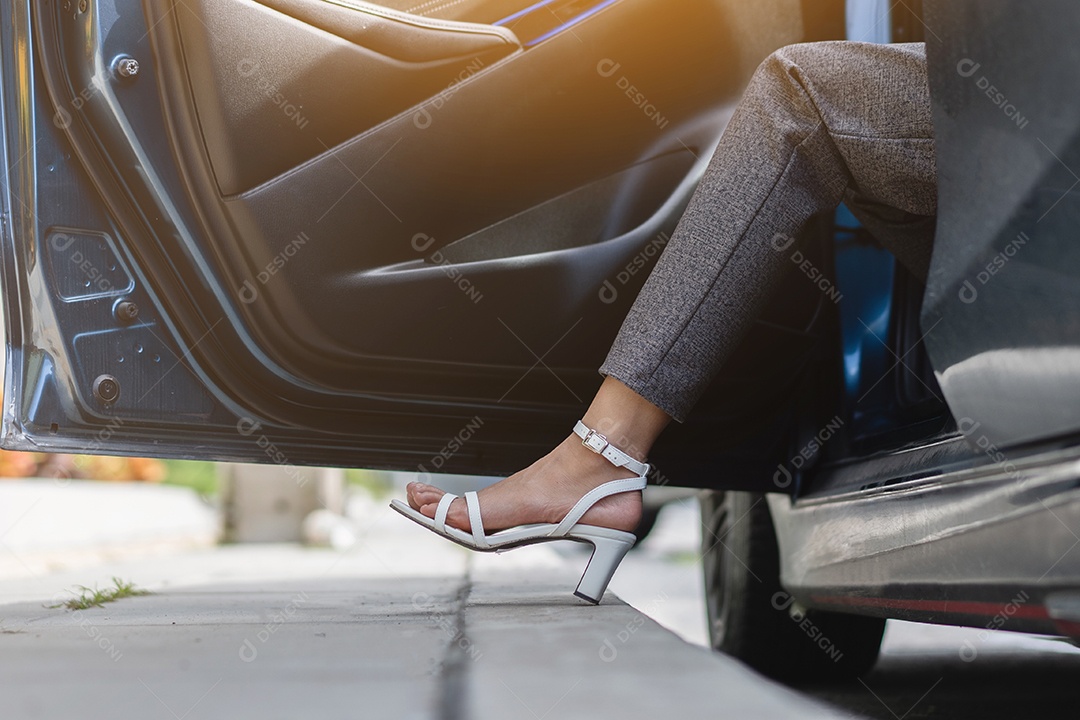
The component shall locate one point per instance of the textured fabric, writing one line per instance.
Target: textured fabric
(819, 123)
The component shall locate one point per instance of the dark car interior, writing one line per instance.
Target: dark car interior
(319, 192)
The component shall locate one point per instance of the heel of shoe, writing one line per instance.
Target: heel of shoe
(607, 554)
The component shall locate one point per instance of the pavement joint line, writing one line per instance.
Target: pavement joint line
(452, 684)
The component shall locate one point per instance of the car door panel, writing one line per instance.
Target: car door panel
(458, 162)
(1000, 328)
(335, 304)
(275, 84)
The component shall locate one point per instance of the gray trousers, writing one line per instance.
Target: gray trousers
(819, 124)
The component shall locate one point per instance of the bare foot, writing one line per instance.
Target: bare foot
(544, 492)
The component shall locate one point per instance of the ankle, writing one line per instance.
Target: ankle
(588, 466)
(622, 434)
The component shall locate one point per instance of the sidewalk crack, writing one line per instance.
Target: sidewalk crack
(454, 667)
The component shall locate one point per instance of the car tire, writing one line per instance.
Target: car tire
(750, 614)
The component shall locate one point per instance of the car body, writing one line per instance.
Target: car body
(338, 233)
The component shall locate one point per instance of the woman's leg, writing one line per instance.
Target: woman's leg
(818, 123)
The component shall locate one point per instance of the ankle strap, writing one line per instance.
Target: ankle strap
(600, 445)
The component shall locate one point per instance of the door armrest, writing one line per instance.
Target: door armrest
(396, 34)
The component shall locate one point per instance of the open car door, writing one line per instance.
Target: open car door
(345, 232)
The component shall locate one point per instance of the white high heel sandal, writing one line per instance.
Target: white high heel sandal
(609, 546)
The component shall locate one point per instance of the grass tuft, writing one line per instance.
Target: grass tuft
(92, 597)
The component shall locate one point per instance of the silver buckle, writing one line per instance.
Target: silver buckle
(589, 436)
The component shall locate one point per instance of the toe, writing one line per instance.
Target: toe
(412, 491)
(420, 495)
(457, 516)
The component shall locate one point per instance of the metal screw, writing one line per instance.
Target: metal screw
(107, 389)
(83, 5)
(126, 311)
(125, 66)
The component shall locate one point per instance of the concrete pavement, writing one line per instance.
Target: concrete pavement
(400, 626)
(438, 647)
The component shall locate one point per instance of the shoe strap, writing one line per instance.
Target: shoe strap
(594, 496)
(600, 445)
(440, 512)
(472, 502)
